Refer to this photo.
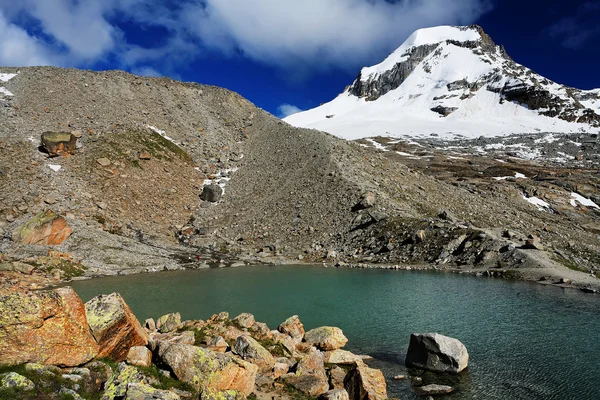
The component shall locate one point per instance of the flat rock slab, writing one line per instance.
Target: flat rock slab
(433, 390)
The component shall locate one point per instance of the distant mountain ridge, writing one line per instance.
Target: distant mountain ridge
(449, 81)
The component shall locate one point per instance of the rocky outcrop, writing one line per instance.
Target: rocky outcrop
(364, 383)
(204, 369)
(59, 143)
(46, 228)
(114, 326)
(48, 327)
(326, 338)
(435, 352)
(168, 323)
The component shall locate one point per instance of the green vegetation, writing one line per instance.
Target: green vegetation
(276, 349)
(164, 382)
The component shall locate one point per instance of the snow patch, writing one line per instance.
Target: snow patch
(577, 198)
(54, 167)
(162, 133)
(539, 203)
(220, 178)
(5, 92)
(518, 175)
(377, 145)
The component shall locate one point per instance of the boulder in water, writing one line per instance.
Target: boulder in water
(435, 352)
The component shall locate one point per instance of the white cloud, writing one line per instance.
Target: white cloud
(146, 71)
(297, 36)
(317, 33)
(18, 48)
(285, 110)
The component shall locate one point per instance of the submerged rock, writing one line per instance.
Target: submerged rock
(48, 327)
(114, 326)
(438, 353)
(433, 390)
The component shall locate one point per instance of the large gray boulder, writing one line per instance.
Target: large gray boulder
(435, 352)
(252, 351)
(211, 193)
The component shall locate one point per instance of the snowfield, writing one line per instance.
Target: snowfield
(406, 110)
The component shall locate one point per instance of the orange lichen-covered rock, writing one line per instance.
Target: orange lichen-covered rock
(114, 326)
(46, 228)
(48, 327)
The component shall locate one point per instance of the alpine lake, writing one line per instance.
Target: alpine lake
(525, 341)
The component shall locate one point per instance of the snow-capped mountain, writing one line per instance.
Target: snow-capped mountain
(452, 81)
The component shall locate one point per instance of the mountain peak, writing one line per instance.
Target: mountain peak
(453, 80)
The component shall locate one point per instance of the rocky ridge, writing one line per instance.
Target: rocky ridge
(148, 148)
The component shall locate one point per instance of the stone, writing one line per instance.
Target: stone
(292, 327)
(116, 386)
(260, 330)
(326, 338)
(335, 394)
(205, 369)
(168, 323)
(244, 320)
(343, 357)
(250, 350)
(17, 266)
(367, 200)
(211, 193)
(218, 344)
(435, 352)
(150, 324)
(103, 162)
(69, 394)
(59, 143)
(48, 327)
(533, 243)
(46, 228)
(280, 369)
(140, 391)
(155, 339)
(144, 155)
(419, 236)
(114, 326)
(399, 377)
(336, 377)
(140, 356)
(310, 377)
(12, 380)
(365, 383)
(433, 390)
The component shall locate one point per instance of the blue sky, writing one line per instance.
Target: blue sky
(285, 55)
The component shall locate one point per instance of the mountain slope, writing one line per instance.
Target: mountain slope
(452, 81)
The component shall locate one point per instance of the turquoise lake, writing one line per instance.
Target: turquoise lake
(525, 341)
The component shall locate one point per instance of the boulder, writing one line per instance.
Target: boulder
(364, 383)
(211, 193)
(114, 326)
(218, 344)
(244, 320)
(116, 386)
(433, 390)
(336, 377)
(310, 376)
(46, 228)
(292, 327)
(140, 356)
(260, 330)
(280, 369)
(340, 356)
(335, 394)
(326, 338)
(156, 339)
(168, 323)
(144, 155)
(250, 350)
(59, 143)
(435, 352)
(207, 370)
(12, 380)
(140, 391)
(48, 327)
(150, 325)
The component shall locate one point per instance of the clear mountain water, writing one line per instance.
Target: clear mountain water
(525, 341)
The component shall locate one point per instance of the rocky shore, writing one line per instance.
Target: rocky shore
(53, 346)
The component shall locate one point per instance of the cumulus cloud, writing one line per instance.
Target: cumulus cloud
(577, 30)
(319, 33)
(307, 35)
(285, 110)
(18, 48)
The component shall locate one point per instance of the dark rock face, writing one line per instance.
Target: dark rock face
(211, 193)
(444, 111)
